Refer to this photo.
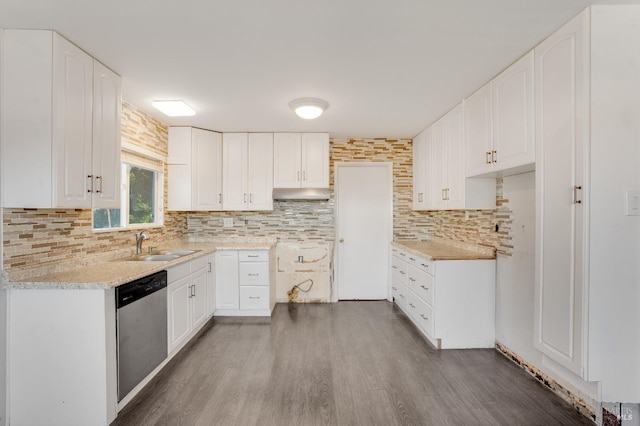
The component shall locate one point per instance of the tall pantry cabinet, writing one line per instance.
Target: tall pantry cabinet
(587, 80)
(61, 112)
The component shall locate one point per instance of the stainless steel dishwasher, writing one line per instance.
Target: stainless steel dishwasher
(141, 322)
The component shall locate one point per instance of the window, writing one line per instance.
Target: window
(141, 201)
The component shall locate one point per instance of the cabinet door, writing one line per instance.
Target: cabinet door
(478, 132)
(227, 292)
(107, 113)
(179, 321)
(315, 160)
(260, 171)
(206, 171)
(455, 160)
(427, 169)
(418, 172)
(179, 169)
(287, 172)
(560, 138)
(211, 285)
(513, 113)
(234, 171)
(198, 298)
(439, 164)
(72, 116)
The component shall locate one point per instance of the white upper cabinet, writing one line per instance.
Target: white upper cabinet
(60, 124)
(315, 160)
(499, 123)
(247, 171)
(478, 132)
(72, 114)
(423, 170)
(445, 185)
(107, 116)
(301, 160)
(513, 117)
(194, 169)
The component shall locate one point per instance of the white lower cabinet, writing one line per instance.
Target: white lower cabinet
(187, 301)
(243, 281)
(211, 284)
(453, 307)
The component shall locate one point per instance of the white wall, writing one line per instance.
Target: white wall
(515, 288)
(614, 267)
(3, 299)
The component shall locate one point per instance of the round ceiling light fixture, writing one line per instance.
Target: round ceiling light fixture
(309, 108)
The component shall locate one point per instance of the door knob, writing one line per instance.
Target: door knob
(342, 240)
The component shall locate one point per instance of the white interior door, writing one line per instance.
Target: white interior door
(364, 196)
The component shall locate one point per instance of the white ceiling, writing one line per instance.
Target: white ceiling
(387, 68)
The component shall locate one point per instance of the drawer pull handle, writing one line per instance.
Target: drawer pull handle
(412, 279)
(402, 254)
(426, 266)
(402, 295)
(254, 297)
(402, 272)
(253, 255)
(423, 317)
(411, 258)
(426, 288)
(394, 289)
(412, 305)
(394, 267)
(254, 275)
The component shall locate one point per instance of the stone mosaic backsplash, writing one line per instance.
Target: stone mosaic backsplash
(303, 221)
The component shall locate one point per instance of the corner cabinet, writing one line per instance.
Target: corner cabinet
(451, 302)
(194, 169)
(244, 283)
(61, 113)
(499, 123)
(301, 160)
(247, 171)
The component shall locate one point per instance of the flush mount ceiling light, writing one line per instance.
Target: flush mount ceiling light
(174, 108)
(308, 108)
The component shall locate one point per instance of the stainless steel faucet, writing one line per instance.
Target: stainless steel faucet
(140, 237)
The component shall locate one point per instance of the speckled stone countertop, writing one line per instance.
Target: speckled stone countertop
(440, 251)
(108, 274)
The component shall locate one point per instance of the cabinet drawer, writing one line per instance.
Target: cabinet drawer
(399, 292)
(425, 289)
(254, 273)
(428, 266)
(253, 256)
(254, 297)
(399, 269)
(421, 313)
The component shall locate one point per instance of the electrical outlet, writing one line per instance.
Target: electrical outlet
(227, 222)
(300, 259)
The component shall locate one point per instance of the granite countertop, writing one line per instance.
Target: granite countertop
(440, 251)
(109, 274)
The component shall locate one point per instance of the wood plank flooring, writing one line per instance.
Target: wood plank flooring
(347, 363)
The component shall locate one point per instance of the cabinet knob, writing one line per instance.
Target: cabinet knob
(342, 240)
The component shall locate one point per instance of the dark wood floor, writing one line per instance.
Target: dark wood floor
(350, 363)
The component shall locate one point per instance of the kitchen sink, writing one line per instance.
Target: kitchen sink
(158, 256)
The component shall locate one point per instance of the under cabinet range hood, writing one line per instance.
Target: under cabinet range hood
(308, 194)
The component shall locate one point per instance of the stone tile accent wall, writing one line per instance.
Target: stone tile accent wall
(302, 221)
(62, 238)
